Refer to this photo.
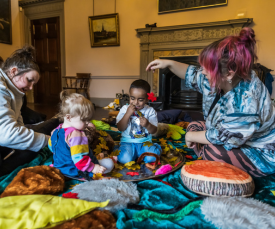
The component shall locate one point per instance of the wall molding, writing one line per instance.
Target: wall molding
(115, 77)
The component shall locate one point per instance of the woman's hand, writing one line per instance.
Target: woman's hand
(156, 64)
(188, 141)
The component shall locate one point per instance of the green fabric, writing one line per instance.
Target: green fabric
(177, 131)
(99, 125)
(144, 214)
(39, 211)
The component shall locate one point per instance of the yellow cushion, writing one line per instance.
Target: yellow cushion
(39, 211)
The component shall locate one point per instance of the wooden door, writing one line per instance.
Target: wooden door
(46, 40)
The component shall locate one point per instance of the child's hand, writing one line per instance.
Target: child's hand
(144, 122)
(98, 169)
(131, 109)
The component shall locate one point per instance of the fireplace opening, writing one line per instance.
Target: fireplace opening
(173, 93)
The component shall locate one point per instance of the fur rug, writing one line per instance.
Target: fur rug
(118, 192)
(36, 180)
(93, 220)
(238, 212)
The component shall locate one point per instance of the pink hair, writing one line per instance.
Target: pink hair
(232, 53)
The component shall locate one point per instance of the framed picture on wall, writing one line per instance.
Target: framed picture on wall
(104, 30)
(5, 22)
(168, 6)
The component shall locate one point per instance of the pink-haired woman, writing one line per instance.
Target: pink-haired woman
(239, 125)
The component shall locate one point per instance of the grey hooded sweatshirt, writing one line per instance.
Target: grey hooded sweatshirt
(13, 133)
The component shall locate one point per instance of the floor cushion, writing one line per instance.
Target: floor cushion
(214, 178)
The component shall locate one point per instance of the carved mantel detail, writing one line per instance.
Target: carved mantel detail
(181, 40)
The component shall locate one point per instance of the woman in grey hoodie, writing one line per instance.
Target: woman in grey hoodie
(18, 75)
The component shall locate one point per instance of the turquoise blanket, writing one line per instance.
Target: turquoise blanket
(157, 195)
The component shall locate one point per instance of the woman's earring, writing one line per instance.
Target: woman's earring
(229, 81)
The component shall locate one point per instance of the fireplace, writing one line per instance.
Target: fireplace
(172, 90)
(182, 43)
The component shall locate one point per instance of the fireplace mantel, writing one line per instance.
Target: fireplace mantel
(182, 40)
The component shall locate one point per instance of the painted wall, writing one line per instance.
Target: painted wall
(124, 59)
(110, 63)
(6, 49)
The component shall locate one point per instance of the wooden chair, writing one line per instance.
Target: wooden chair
(79, 83)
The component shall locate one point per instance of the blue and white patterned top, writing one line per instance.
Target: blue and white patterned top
(242, 118)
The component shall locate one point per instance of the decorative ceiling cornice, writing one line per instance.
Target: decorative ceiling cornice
(24, 3)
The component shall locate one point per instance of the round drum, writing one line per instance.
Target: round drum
(212, 178)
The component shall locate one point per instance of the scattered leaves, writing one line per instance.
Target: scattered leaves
(149, 144)
(97, 150)
(97, 176)
(273, 192)
(114, 174)
(132, 173)
(173, 159)
(102, 141)
(166, 149)
(170, 146)
(119, 166)
(169, 134)
(162, 141)
(177, 164)
(129, 163)
(104, 146)
(154, 171)
(115, 153)
(199, 158)
(189, 162)
(103, 133)
(70, 195)
(133, 167)
(188, 156)
(185, 146)
(178, 141)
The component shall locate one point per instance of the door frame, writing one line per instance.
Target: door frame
(41, 10)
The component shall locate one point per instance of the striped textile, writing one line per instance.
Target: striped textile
(234, 157)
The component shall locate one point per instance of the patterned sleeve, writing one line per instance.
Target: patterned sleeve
(78, 143)
(233, 130)
(153, 119)
(248, 110)
(194, 79)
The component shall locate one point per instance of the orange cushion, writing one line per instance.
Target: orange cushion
(214, 178)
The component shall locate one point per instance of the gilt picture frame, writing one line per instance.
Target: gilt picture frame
(5, 22)
(104, 30)
(169, 6)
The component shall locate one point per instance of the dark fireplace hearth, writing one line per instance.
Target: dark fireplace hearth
(172, 91)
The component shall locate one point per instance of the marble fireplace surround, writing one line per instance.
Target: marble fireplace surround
(181, 40)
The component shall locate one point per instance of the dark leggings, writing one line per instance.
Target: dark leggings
(21, 157)
(234, 157)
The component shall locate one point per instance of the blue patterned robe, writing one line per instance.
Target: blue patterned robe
(243, 118)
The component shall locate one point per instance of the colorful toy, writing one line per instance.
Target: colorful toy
(164, 169)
